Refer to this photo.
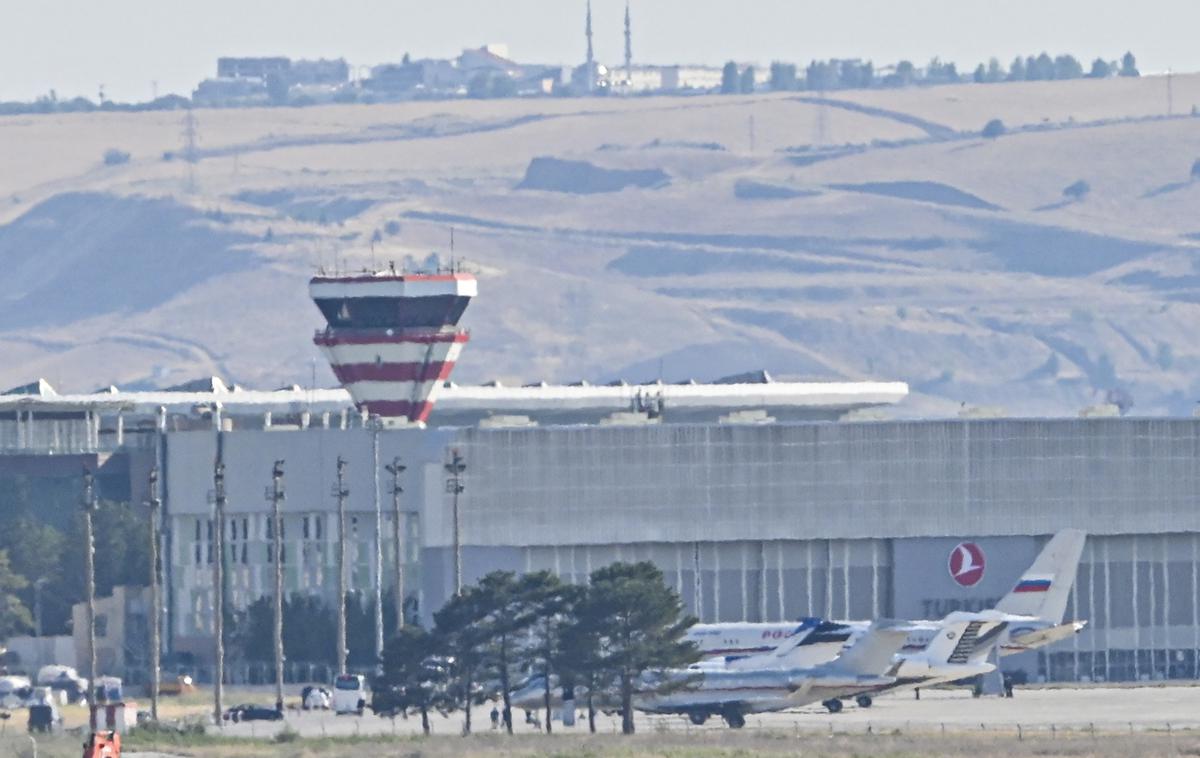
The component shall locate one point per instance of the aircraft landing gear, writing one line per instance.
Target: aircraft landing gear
(864, 701)
(833, 706)
(697, 717)
(735, 720)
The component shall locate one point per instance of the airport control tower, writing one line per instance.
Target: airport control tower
(393, 337)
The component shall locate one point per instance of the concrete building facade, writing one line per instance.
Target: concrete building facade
(748, 522)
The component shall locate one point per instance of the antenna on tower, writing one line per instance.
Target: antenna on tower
(628, 47)
(591, 61)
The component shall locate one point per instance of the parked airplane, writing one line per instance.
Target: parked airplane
(869, 663)
(1040, 597)
(977, 635)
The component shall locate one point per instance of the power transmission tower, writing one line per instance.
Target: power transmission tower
(822, 128)
(218, 549)
(191, 136)
(454, 485)
(89, 568)
(276, 496)
(341, 493)
(395, 468)
(591, 60)
(628, 47)
(154, 504)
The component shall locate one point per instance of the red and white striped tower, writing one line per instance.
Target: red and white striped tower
(393, 338)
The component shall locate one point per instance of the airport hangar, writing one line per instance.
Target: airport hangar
(760, 500)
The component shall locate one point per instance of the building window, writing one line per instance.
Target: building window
(210, 530)
(270, 528)
(233, 529)
(305, 527)
(197, 530)
(318, 519)
(197, 548)
(245, 528)
(101, 625)
(244, 553)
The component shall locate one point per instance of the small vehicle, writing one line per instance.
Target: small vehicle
(109, 689)
(249, 712)
(350, 694)
(316, 698)
(103, 745)
(14, 691)
(44, 717)
(180, 685)
(63, 679)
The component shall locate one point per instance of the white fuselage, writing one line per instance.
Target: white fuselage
(752, 691)
(729, 642)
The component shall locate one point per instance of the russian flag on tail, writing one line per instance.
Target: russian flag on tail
(1034, 584)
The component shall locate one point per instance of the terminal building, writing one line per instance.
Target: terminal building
(759, 499)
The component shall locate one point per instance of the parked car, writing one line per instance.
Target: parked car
(316, 698)
(349, 694)
(63, 679)
(180, 685)
(249, 712)
(14, 691)
(44, 717)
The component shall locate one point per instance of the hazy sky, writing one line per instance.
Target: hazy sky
(73, 46)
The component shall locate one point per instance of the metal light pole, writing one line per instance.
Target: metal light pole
(341, 493)
(276, 497)
(89, 569)
(218, 586)
(395, 468)
(378, 547)
(155, 595)
(455, 468)
(37, 605)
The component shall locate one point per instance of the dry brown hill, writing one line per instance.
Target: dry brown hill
(866, 234)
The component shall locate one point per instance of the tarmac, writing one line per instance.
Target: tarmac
(1095, 709)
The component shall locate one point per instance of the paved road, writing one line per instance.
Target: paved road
(1104, 709)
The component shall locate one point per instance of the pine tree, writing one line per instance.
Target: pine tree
(1129, 65)
(783, 76)
(458, 630)
(729, 79)
(1016, 72)
(414, 677)
(1100, 69)
(509, 607)
(556, 605)
(640, 623)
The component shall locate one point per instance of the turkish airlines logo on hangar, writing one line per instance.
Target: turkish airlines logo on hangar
(966, 564)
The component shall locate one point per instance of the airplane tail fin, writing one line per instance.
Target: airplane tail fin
(872, 653)
(1043, 590)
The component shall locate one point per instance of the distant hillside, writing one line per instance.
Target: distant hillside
(874, 234)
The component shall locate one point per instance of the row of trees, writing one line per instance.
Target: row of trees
(41, 556)
(837, 74)
(600, 637)
(1045, 68)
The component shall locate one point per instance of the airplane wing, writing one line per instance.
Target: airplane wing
(1030, 639)
(872, 653)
